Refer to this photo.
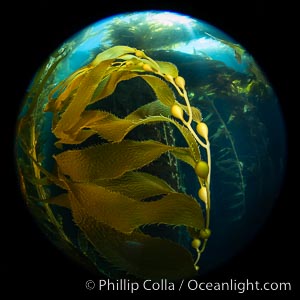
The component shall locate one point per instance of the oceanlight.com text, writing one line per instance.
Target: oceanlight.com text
(238, 286)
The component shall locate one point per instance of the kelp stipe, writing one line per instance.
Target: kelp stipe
(106, 186)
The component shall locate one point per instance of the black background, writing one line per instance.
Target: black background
(32, 31)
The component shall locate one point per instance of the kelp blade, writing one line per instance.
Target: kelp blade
(110, 198)
(80, 99)
(137, 254)
(125, 214)
(137, 185)
(108, 160)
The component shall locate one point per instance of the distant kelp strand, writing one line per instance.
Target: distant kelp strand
(227, 112)
(104, 188)
(33, 177)
(228, 164)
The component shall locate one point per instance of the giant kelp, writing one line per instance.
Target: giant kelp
(232, 102)
(106, 186)
(149, 33)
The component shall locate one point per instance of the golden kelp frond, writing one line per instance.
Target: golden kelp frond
(185, 155)
(112, 53)
(109, 84)
(125, 214)
(155, 108)
(98, 122)
(168, 68)
(105, 184)
(115, 129)
(108, 160)
(162, 91)
(110, 127)
(138, 254)
(99, 81)
(88, 118)
(81, 98)
(137, 185)
(79, 133)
